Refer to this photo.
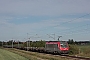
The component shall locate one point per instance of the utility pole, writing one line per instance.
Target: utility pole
(12, 43)
(27, 41)
(18, 43)
(2, 43)
(54, 36)
(51, 36)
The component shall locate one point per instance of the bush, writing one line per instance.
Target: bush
(74, 49)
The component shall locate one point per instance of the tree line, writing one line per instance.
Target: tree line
(40, 43)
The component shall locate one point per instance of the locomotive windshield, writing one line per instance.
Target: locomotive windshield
(63, 44)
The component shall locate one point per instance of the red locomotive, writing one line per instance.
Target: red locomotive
(60, 47)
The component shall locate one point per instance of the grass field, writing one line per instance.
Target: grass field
(16, 54)
(84, 50)
(6, 55)
(35, 55)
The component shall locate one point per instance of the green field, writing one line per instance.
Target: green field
(84, 50)
(6, 55)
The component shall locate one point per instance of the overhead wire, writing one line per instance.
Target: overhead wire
(66, 22)
(72, 20)
(73, 31)
(74, 28)
(77, 31)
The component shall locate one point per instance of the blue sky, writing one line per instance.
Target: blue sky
(67, 18)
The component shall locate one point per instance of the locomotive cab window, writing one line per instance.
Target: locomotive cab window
(63, 45)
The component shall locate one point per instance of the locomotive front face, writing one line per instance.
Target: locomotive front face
(64, 47)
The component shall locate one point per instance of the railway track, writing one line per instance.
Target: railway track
(73, 57)
(79, 57)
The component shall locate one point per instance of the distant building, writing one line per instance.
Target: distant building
(82, 42)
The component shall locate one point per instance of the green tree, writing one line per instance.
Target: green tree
(70, 41)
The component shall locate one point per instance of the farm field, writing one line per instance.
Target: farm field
(6, 55)
(84, 50)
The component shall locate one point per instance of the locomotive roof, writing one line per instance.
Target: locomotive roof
(56, 41)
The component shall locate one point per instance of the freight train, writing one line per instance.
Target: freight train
(60, 47)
